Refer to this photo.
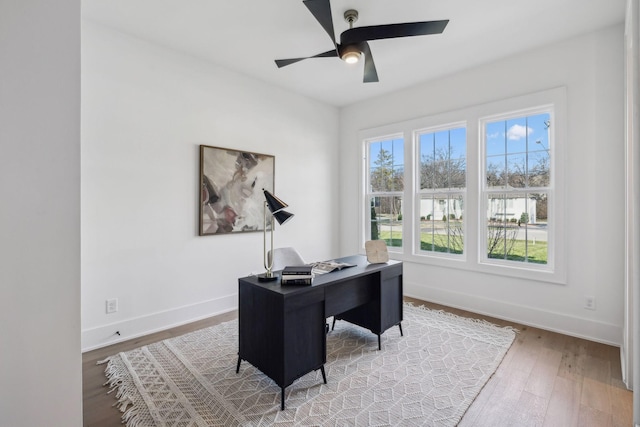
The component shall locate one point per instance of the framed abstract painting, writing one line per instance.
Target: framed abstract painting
(231, 183)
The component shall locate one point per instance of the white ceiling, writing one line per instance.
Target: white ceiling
(246, 36)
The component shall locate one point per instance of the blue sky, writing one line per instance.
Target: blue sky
(518, 145)
(508, 142)
(514, 136)
(453, 141)
(393, 146)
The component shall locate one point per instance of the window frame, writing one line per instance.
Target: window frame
(475, 206)
(369, 194)
(486, 191)
(555, 270)
(434, 193)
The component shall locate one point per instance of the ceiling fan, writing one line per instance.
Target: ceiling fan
(354, 41)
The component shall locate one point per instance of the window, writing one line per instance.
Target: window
(385, 174)
(516, 187)
(477, 188)
(441, 175)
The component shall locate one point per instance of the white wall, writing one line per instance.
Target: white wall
(630, 350)
(145, 111)
(591, 68)
(40, 360)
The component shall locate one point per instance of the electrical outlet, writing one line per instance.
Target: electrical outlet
(590, 302)
(112, 305)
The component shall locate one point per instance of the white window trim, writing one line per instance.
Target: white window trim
(484, 192)
(472, 259)
(555, 269)
(365, 205)
(418, 193)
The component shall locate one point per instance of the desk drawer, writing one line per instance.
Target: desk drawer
(303, 299)
(345, 296)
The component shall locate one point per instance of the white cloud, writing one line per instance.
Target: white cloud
(517, 132)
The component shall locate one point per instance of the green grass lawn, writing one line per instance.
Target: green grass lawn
(537, 252)
(393, 238)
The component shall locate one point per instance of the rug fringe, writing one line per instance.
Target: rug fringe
(447, 314)
(119, 380)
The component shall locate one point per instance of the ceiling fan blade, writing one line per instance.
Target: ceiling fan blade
(321, 10)
(284, 62)
(390, 31)
(370, 73)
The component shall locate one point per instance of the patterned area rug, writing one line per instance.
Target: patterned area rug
(428, 377)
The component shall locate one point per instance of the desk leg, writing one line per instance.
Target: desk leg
(238, 365)
(324, 376)
(380, 335)
(282, 398)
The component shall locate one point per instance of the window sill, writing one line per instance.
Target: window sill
(462, 263)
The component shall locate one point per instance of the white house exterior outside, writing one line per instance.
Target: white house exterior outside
(500, 209)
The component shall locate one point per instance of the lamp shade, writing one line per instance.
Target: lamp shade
(276, 207)
(275, 204)
(282, 216)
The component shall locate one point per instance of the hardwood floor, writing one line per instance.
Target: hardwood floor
(546, 379)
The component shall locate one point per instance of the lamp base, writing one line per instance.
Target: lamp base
(265, 277)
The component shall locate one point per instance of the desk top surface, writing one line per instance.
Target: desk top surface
(362, 267)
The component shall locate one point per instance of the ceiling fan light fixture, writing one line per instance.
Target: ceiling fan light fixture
(350, 54)
(351, 57)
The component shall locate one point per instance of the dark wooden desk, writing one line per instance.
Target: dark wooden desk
(282, 329)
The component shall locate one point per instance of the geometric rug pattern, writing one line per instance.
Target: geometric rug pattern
(428, 377)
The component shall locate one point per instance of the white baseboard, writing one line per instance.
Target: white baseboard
(105, 335)
(551, 321)
(628, 382)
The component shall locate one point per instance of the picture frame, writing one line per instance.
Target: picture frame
(231, 190)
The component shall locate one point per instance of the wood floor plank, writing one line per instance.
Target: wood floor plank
(542, 378)
(572, 365)
(507, 391)
(596, 395)
(622, 407)
(530, 411)
(525, 351)
(590, 417)
(597, 369)
(564, 403)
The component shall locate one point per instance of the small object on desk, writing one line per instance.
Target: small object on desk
(376, 251)
(297, 270)
(323, 267)
(296, 275)
(296, 280)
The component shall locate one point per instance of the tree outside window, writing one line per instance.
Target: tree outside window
(442, 171)
(386, 186)
(517, 187)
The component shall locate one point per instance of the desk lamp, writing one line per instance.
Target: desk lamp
(275, 206)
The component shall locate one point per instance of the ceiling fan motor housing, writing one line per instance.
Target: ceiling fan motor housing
(351, 16)
(350, 53)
